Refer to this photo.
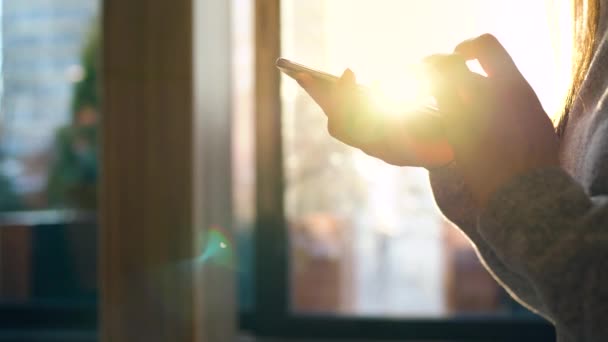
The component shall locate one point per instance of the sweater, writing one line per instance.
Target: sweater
(544, 235)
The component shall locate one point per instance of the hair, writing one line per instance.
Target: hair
(586, 17)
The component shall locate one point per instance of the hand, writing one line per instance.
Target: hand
(412, 139)
(496, 124)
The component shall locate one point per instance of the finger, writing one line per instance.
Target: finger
(493, 57)
(457, 93)
(445, 66)
(304, 80)
(348, 118)
(348, 78)
(319, 91)
(448, 74)
(345, 87)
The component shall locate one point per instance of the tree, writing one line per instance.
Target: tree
(74, 174)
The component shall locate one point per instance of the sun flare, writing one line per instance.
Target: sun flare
(377, 39)
(397, 94)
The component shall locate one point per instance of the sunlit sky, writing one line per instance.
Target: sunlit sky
(378, 39)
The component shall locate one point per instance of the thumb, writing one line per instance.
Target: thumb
(348, 78)
(493, 57)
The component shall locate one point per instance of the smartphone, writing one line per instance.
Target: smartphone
(292, 69)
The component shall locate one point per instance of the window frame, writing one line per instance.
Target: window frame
(272, 316)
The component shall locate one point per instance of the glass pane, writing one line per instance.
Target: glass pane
(49, 261)
(49, 113)
(243, 158)
(366, 238)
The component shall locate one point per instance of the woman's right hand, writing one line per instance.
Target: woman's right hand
(412, 139)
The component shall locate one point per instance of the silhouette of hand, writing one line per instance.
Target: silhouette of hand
(412, 139)
(496, 124)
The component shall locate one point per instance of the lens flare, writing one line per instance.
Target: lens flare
(217, 249)
(217, 253)
(400, 93)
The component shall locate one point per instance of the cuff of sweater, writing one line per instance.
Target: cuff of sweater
(454, 199)
(531, 208)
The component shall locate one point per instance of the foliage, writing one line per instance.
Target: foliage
(74, 174)
(86, 92)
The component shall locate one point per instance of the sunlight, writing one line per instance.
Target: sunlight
(400, 93)
(379, 39)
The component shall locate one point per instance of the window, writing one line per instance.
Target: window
(366, 238)
(354, 248)
(48, 162)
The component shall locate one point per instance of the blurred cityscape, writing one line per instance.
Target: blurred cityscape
(48, 150)
(42, 43)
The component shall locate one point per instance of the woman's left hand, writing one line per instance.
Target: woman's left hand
(495, 124)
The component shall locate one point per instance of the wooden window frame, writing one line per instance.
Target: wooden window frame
(165, 170)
